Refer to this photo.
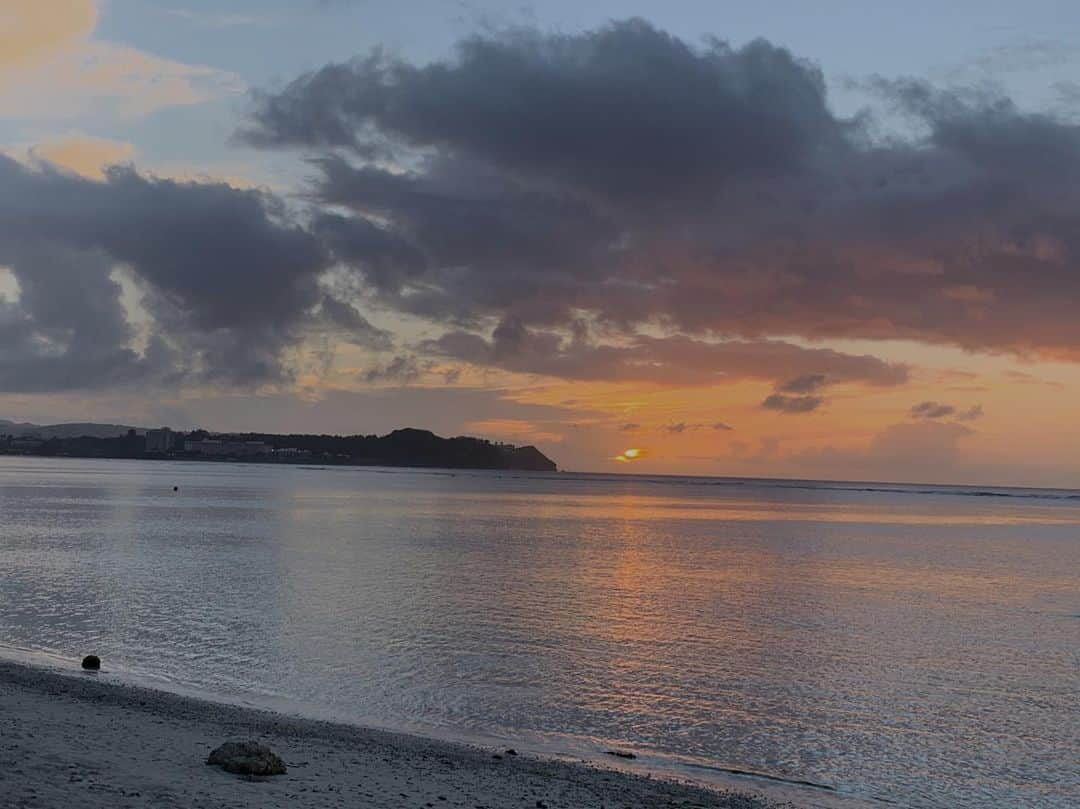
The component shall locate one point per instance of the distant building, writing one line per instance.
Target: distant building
(292, 453)
(26, 442)
(160, 441)
(224, 448)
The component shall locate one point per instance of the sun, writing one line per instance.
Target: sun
(629, 455)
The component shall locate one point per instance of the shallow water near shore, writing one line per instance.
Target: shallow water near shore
(911, 644)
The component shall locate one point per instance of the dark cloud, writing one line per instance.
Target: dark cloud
(630, 427)
(386, 259)
(973, 413)
(807, 383)
(792, 404)
(938, 410)
(578, 109)
(624, 177)
(679, 427)
(353, 325)
(227, 281)
(616, 205)
(675, 360)
(402, 369)
(932, 410)
(721, 426)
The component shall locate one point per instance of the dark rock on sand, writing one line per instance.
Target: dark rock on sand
(619, 754)
(91, 662)
(511, 752)
(247, 758)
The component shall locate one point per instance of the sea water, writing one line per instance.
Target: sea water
(914, 644)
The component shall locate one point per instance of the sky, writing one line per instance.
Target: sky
(832, 240)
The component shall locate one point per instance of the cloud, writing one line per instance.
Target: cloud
(792, 404)
(614, 205)
(628, 179)
(807, 383)
(477, 106)
(674, 360)
(225, 283)
(937, 410)
(926, 444)
(630, 427)
(910, 451)
(678, 428)
(33, 31)
(351, 325)
(401, 369)
(86, 155)
(1023, 378)
(973, 413)
(932, 410)
(52, 67)
(723, 427)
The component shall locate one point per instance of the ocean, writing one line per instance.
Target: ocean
(918, 645)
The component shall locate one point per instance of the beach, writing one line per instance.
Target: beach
(71, 739)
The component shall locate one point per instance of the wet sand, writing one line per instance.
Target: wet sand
(74, 739)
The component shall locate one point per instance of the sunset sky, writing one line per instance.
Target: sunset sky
(834, 240)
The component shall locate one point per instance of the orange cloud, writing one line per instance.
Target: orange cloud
(52, 67)
(82, 154)
(32, 31)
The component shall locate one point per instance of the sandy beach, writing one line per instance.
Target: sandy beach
(72, 739)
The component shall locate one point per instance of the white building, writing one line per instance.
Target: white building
(162, 440)
(216, 447)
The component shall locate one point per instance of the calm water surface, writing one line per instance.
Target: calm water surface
(915, 644)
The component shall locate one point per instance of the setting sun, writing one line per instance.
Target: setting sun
(630, 455)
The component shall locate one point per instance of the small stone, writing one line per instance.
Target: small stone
(620, 754)
(91, 662)
(511, 752)
(247, 758)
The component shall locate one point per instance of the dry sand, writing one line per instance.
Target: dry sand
(76, 740)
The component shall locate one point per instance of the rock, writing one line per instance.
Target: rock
(247, 758)
(511, 752)
(619, 754)
(91, 662)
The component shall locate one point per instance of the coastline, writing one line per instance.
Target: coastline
(68, 738)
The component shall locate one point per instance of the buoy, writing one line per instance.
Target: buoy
(91, 662)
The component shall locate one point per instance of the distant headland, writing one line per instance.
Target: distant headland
(405, 447)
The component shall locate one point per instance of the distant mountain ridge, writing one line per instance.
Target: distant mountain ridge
(74, 429)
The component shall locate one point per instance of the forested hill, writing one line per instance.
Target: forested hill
(407, 447)
(413, 447)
